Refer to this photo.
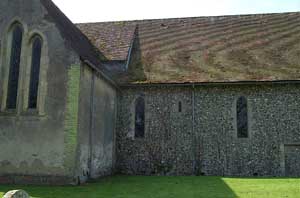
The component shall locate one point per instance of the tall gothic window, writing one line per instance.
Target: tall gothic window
(35, 72)
(139, 118)
(14, 67)
(242, 118)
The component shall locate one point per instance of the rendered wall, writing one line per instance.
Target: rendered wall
(96, 153)
(39, 146)
(103, 133)
(84, 127)
(174, 144)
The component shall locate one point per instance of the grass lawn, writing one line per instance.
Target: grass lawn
(167, 187)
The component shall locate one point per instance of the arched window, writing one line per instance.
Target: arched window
(139, 118)
(14, 67)
(242, 118)
(35, 71)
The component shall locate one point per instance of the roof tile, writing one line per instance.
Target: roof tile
(262, 47)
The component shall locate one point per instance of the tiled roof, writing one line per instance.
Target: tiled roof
(262, 47)
(112, 39)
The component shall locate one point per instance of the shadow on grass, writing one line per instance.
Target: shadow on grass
(136, 187)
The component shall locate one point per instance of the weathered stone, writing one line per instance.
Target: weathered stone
(70, 135)
(174, 144)
(16, 194)
(36, 155)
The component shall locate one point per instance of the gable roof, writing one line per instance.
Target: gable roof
(261, 47)
(112, 39)
(77, 40)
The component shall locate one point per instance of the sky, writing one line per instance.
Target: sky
(119, 10)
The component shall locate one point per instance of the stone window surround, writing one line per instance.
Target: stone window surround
(25, 68)
(131, 132)
(249, 118)
(36, 57)
(14, 65)
(179, 107)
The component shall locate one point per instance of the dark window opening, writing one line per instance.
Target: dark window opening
(179, 107)
(242, 118)
(14, 68)
(35, 72)
(140, 118)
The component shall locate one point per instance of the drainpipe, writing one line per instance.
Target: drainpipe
(193, 131)
(91, 127)
(193, 101)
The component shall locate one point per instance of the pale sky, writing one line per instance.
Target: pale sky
(118, 10)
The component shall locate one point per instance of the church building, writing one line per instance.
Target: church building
(183, 96)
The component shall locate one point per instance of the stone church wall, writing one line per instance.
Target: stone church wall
(38, 146)
(202, 138)
(103, 129)
(97, 110)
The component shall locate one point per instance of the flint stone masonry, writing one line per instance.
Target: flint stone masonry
(16, 194)
(174, 144)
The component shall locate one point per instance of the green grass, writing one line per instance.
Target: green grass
(170, 187)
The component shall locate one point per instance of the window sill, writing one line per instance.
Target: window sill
(31, 113)
(8, 113)
(27, 113)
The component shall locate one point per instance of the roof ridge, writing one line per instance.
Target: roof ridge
(194, 17)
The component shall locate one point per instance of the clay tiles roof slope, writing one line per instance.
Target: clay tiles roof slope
(262, 47)
(112, 39)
